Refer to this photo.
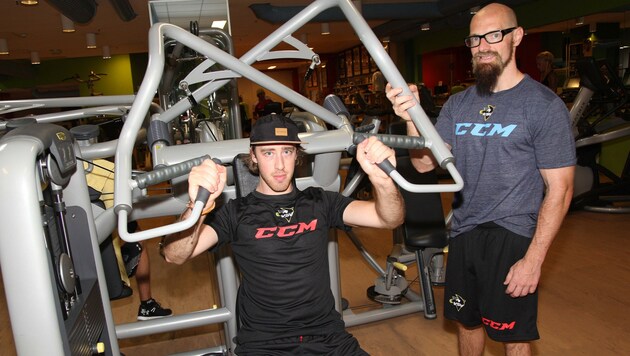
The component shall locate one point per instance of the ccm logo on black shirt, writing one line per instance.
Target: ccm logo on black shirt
(285, 231)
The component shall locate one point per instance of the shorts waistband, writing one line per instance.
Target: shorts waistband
(489, 225)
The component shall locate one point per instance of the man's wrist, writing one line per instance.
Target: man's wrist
(411, 128)
(206, 211)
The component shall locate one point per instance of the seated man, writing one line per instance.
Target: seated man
(279, 237)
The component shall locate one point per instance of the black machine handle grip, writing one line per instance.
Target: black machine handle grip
(393, 141)
(333, 104)
(162, 174)
(203, 194)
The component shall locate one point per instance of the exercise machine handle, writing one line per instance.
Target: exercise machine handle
(393, 141)
(160, 175)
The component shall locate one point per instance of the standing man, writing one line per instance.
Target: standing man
(279, 237)
(512, 141)
(544, 63)
(259, 108)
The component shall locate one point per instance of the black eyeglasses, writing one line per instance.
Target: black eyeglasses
(490, 37)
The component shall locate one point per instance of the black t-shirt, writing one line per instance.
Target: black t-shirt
(280, 245)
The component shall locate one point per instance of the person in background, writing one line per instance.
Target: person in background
(459, 86)
(279, 237)
(132, 258)
(548, 77)
(513, 145)
(246, 123)
(259, 108)
(137, 264)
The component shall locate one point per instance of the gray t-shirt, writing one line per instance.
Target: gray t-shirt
(499, 143)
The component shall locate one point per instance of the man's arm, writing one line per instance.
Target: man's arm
(422, 159)
(386, 210)
(524, 275)
(179, 247)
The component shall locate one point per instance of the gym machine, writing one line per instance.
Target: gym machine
(69, 283)
(600, 114)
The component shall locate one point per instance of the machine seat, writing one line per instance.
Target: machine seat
(424, 230)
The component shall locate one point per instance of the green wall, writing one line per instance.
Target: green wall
(117, 81)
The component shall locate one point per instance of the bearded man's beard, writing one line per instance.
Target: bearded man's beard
(487, 74)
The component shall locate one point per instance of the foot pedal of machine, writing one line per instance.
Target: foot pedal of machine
(383, 298)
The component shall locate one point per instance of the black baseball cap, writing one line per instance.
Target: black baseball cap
(272, 129)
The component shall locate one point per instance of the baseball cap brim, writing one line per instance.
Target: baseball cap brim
(277, 142)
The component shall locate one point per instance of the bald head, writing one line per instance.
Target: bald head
(493, 57)
(501, 14)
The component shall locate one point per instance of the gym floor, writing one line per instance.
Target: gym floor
(584, 297)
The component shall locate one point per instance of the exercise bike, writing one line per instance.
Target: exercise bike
(600, 114)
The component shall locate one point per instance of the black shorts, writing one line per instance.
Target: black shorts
(478, 262)
(339, 343)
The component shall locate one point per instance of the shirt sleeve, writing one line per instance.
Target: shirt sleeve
(553, 138)
(219, 220)
(444, 124)
(337, 204)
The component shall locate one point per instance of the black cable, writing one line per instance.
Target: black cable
(210, 130)
(92, 163)
(109, 121)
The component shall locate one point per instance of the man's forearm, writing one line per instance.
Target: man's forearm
(421, 159)
(550, 217)
(177, 248)
(390, 206)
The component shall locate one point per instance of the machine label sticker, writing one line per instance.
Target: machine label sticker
(457, 301)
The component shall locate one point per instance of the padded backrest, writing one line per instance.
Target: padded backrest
(244, 180)
(424, 224)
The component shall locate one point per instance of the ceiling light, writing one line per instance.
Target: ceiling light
(67, 25)
(219, 24)
(4, 46)
(90, 39)
(579, 21)
(425, 26)
(34, 57)
(29, 2)
(325, 28)
(107, 54)
(271, 67)
(475, 9)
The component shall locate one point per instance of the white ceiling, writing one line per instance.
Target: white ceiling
(38, 28)
(181, 12)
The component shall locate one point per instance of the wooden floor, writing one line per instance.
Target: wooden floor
(584, 298)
